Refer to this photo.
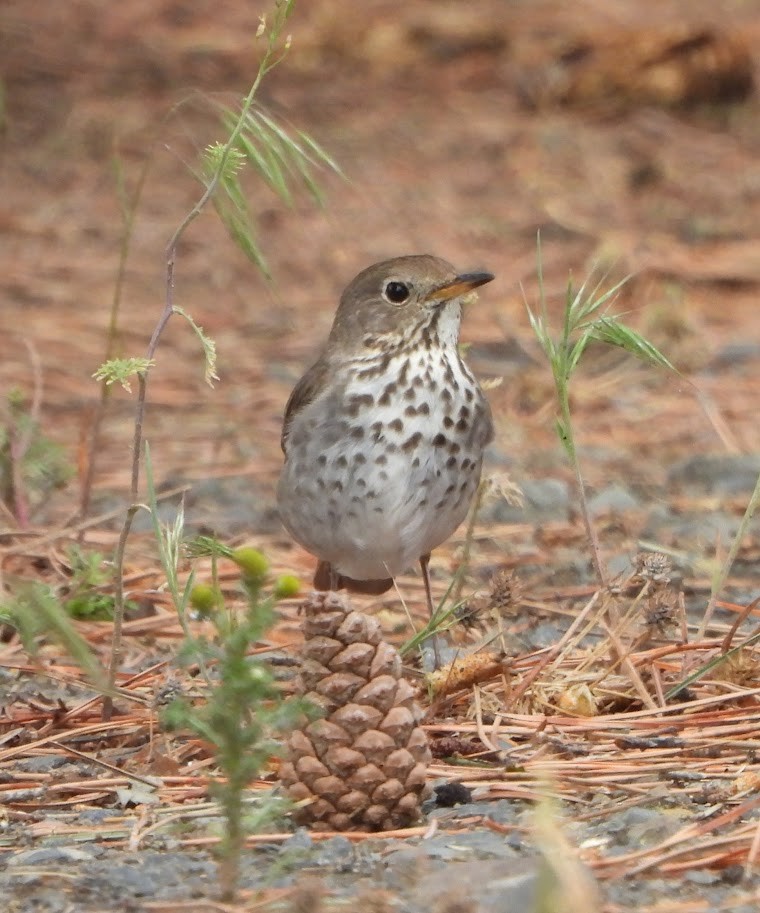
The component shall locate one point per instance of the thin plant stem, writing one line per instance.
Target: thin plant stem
(129, 207)
(567, 430)
(271, 57)
(719, 580)
(469, 536)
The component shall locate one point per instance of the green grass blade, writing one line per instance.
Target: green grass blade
(614, 333)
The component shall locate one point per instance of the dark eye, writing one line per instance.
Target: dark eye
(396, 292)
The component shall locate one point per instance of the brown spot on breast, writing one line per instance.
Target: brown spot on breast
(411, 442)
(448, 421)
(357, 432)
(396, 425)
(410, 410)
(423, 409)
(451, 462)
(387, 393)
(321, 460)
(360, 459)
(375, 369)
(357, 402)
(381, 459)
(439, 440)
(341, 462)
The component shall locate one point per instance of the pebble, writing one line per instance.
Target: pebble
(544, 499)
(640, 826)
(612, 500)
(336, 853)
(716, 474)
(42, 763)
(228, 505)
(467, 845)
(50, 855)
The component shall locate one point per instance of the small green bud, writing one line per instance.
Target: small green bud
(252, 563)
(285, 586)
(204, 599)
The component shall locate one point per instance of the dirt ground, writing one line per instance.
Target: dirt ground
(627, 133)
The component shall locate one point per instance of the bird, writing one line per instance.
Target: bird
(384, 436)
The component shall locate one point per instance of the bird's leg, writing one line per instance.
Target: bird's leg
(424, 566)
(326, 578)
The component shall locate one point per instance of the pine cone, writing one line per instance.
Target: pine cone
(363, 763)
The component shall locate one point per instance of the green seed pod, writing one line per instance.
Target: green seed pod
(287, 585)
(205, 599)
(252, 563)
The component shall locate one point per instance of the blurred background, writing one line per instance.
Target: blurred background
(627, 132)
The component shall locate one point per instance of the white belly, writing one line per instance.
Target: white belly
(376, 477)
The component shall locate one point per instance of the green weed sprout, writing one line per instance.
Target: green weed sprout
(31, 465)
(584, 319)
(281, 158)
(243, 711)
(36, 611)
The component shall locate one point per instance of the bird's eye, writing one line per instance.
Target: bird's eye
(396, 292)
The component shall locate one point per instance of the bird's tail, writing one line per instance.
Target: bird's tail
(327, 578)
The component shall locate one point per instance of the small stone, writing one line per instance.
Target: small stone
(612, 501)
(50, 855)
(717, 474)
(544, 499)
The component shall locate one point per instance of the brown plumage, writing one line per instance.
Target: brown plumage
(384, 435)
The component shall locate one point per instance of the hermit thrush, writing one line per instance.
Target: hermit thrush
(384, 435)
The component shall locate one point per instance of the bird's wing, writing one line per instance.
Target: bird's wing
(305, 391)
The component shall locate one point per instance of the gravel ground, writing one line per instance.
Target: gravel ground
(475, 869)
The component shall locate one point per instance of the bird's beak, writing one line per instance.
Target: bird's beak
(462, 285)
